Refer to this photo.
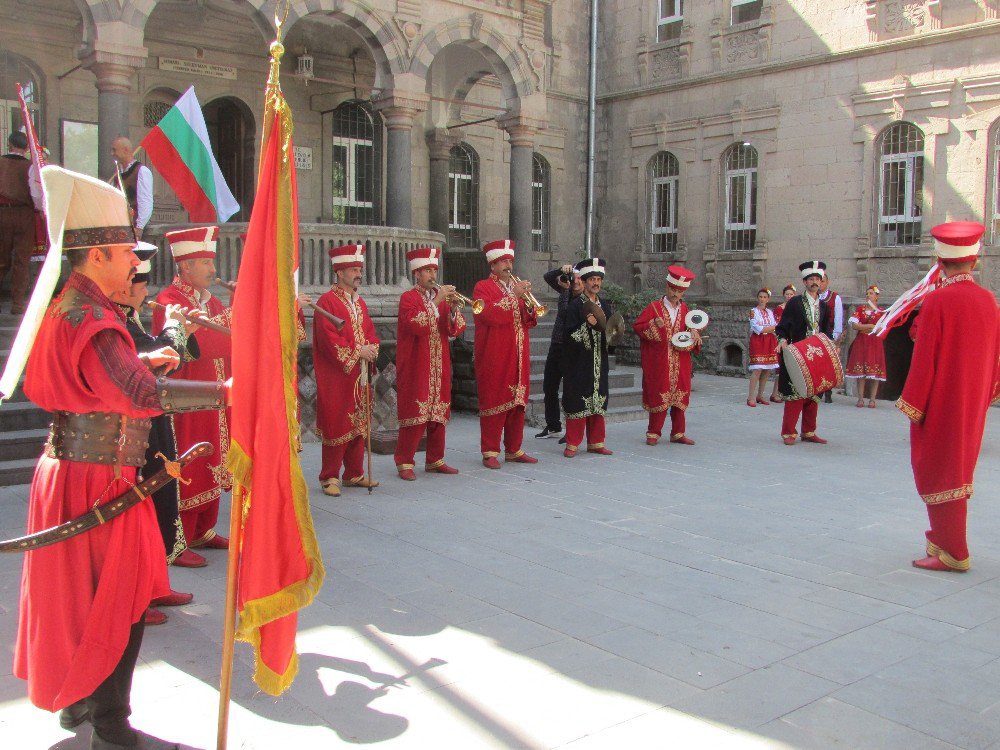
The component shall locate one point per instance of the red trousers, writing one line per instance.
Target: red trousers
(350, 455)
(808, 408)
(409, 440)
(510, 424)
(199, 522)
(657, 419)
(594, 426)
(947, 533)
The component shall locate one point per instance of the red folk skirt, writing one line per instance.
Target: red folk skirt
(866, 358)
(762, 351)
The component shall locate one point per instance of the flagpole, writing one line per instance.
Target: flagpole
(370, 398)
(229, 626)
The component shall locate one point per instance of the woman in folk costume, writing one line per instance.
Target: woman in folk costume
(666, 370)
(763, 348)
(428, 316)
(954, 377)
(787, 293)
(866, 359)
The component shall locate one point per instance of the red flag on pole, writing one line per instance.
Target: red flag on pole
(280, 568)
(37, 155)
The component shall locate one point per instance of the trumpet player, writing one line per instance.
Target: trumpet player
(502, 356)
(429, 314)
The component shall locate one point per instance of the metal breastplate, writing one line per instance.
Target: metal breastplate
(98, 438)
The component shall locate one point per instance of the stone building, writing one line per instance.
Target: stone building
(734, 136)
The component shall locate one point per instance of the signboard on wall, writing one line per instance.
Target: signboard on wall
(303, 157)
(197, 67)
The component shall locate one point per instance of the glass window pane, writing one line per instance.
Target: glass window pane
(364, 164)
(339, 173)
(753, 198)
(737, 199)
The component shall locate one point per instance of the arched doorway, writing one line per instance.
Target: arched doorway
(15, 69)
(232, 132)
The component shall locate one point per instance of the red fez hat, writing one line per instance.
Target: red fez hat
(957, 240)
(191, 244)
(499, 249)
(347, 256)
(423, 257)
(679, 277)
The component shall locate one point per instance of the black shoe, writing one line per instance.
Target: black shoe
(143, 742)
(827, 398)
(548, 432)
(74, 715)
(562, 440)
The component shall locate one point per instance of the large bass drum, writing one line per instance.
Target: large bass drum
(813, 366)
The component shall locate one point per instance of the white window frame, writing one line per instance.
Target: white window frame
(910, 171)
(7, 109)
(352, 144)
(750, 173)
(538, 201)
(453, 208)
(734, 4)
(673, 183)
(662, 20)
(994, 155)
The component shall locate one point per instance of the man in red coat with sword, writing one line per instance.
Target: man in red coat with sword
(83, 599)
(666, 370)
(193, 251)
(344, 360)
(502, 357)
(427, 319)
(951, 384)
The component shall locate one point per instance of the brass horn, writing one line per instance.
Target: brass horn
(539, 308)
(476, 304)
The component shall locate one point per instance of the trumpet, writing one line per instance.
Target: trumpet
(538, 307)
(476, 304)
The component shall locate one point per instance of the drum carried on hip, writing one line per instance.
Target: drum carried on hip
(813, 366)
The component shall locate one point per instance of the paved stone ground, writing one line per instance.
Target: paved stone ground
(735, 594)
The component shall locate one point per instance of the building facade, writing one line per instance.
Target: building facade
(737, 137)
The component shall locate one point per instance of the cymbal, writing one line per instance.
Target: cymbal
(594, 308)
(615, 330)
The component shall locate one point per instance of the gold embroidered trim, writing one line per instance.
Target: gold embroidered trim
(509, 456)
(593, 446)
(401, 467)
(669, 400)
(428, 467)
(490, 454)
(913, 413)
(200, 499)
(958, 493)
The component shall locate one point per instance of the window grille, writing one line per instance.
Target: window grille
(463, 190)
(670, 17)
(994, 208)
(153, 112)
(740, 220)
(664, 176)
(746, 10)
(356, 178)
(539, 203)
(13, 70)
(901, 181)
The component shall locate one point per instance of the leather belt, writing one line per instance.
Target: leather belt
(98, 438)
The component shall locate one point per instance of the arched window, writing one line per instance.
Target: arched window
(740, 182)
(13, 70)
(900, 185)
(357, 164)
(463, 189)
(539, 203)
(993, 209)
(664, 180)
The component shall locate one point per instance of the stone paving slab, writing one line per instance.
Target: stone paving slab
(735, 594)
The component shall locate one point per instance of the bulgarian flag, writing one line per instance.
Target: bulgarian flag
(180, 150)
(274, 552)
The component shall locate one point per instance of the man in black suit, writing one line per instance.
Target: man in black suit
(804, 316)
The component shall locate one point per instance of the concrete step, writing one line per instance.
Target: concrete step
(22, 415)
(617, 397)
(17, 472)
(19, 444)
(617, 381)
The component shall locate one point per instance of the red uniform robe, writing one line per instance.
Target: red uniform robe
(208, 475)
(337, 361)
(502, 348)
(423, 359)
(666, 370)
(954, 376)
(80, 597)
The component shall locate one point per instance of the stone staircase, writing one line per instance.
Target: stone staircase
(23, 426)
(624, 383)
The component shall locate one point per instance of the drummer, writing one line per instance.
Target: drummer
(666, 342)
(585, 362)
(804, 316)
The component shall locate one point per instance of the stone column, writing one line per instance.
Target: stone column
(439, 144)
(399, 113)
(522, 145)
(115, 71)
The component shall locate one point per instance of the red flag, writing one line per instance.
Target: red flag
(37, 155)
(280, 568)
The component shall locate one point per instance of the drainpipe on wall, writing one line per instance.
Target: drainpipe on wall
(591, 129)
